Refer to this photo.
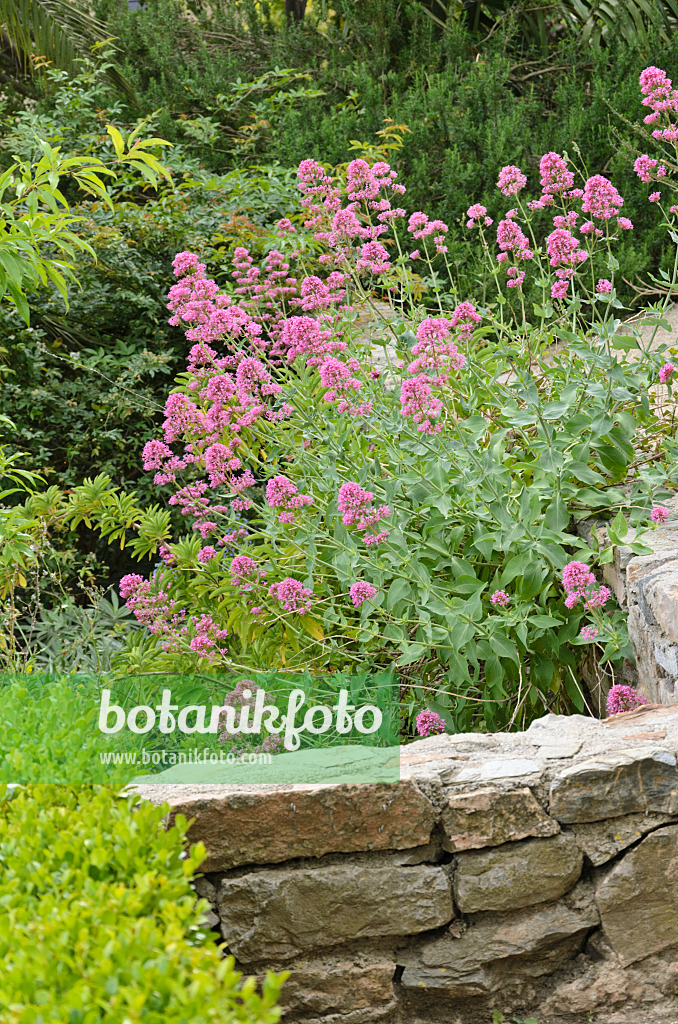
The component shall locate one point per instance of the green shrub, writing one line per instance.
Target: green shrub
(99, 921)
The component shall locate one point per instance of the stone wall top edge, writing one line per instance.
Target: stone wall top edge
(549, 747)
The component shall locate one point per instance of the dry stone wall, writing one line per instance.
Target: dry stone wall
(533, 873)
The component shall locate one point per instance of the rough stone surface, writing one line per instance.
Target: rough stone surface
(494, 947)
(360, 908)
(517, 875)
(239, 825)
(488, 817)
(638, 898)
(343, 986)
(603, 840)
(611, 785)
(277, 914)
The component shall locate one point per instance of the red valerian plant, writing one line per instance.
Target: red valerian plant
(415, 505)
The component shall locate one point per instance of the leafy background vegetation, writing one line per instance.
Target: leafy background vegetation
(244, 91)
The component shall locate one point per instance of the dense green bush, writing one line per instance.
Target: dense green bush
(472, 103)
(99, 921)
(88, 384)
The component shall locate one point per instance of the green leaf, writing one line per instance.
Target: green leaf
(530, 584)
(117, 139)
(399, 589)
(557, 516)
(544, 621)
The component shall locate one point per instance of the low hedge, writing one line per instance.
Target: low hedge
(98, 921)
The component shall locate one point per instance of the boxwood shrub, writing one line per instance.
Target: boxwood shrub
(98, 921)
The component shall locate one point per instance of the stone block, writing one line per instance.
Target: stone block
(615, 784)
(490, 817)
(517, 875)
(246, 826)
(278, 914)
(498, 768)
(496, 948)
(603, 840)
(661, 594)
(638, 898)
(338, 986)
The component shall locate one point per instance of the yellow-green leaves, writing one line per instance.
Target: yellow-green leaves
(38, 232)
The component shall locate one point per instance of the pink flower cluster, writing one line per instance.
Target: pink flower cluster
(666, 372)
(242, 699)
(435, 350)
(342, 385)
(355, 505)
(264, 293)
(207, 639)
(478, 214)
(245, 573)
(160, 614)
(662, 99)
(361, 591)
(566, 254)
(514, 245)
(284, 493)
(623, 698)
(500, 597)
(430, 723)
(511, 180)
(589, 632)
(581, 585)
(421, 227)
(601, 198)
(292, 595)
(418, 401)
(317, 294)
(370, 191)
(660, 514)
(305, 336)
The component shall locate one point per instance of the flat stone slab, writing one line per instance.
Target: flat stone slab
(245, 825)
(279, 914)
(638, 898)
(494, 948)
(499, 768)
(609, 786)
(517, 875)
(490, 817)
(603, 840)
